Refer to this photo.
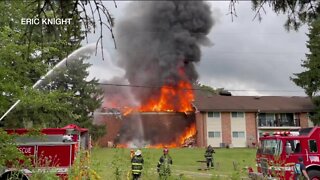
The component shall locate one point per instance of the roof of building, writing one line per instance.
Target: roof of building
(218, 103)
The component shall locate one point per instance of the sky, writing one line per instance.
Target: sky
(248, 57)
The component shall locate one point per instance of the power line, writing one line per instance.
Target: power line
(176, 87)
(172, 87)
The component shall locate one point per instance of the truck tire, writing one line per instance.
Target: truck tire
(314, 174)
(13, 175)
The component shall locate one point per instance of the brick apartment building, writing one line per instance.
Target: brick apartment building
(238, 121)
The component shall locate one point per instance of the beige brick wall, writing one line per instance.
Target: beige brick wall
(213, 124)
(251, 128)
(226, 127)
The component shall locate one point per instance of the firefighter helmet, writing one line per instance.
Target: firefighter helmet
(138, 153)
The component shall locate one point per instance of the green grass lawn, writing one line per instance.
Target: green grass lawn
(111, 163)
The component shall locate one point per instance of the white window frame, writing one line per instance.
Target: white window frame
(216, 134)
(237, 114)
(237, 134)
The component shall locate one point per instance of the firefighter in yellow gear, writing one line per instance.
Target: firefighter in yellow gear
(137, 165)
(164, 164)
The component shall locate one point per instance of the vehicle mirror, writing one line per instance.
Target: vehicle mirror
(288, 148)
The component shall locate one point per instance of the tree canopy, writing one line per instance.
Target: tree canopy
(298, 12)
(29, 51)
(309, 79)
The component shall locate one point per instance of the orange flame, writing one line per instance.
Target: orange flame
(127, 110)
(122, 146)
(188, 133)
(182, 95)
(171, 99)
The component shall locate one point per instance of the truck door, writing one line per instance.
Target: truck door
(313, 155)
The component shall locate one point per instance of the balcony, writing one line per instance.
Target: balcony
(276, 124)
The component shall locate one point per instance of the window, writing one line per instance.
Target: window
(295, 145)
(267, 119)
(286, 119)
(214, 114)
(214, 134)
(237, 114)
(238, 134)
(313, 146)
(270, 146)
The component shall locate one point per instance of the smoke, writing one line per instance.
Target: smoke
(159, 43)
(118, 96)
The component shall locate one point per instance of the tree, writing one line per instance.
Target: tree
(309, 80)
(8, 150)
(85, 13)
(85, 96)
(210, 89)
(17, 66)
(298, 11)
(29, 51)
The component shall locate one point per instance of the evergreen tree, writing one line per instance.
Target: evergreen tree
(27, 52)
(85, 96)
(309, 80)
(298, 12)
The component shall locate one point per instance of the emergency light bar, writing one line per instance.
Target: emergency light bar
(277, 133)
(282, 133)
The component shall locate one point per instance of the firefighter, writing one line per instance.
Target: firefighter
(131, 153)
(136, 165)
(300, 170)
(164, 164)
(209, 156)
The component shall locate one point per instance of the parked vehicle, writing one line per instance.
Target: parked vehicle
(53, 150)
(278, 153)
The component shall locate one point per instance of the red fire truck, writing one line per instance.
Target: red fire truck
(53, 150)
(278, 153)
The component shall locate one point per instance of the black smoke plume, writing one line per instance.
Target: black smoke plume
(159, 43)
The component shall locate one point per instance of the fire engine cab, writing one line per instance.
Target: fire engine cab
(54, 150)
(278, 153)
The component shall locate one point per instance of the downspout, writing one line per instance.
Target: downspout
(257, 125)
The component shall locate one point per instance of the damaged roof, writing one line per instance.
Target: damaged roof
(218, 103)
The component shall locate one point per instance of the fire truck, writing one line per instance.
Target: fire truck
(278, 153)
(52, 150)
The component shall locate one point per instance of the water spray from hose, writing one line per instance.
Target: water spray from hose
(75, 55)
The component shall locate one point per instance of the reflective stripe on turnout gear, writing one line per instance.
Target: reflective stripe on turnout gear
(136, 170)
(137, 164)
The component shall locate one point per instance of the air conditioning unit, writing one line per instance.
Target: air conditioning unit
(222, 145)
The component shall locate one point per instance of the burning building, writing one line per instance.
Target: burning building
(155, 124)
(159, 45)
(154, 105)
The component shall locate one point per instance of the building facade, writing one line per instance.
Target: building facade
(239, 121)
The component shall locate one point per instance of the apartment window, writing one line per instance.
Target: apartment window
(214, 134)
(238, 134)
(286, 119)
(214, 114)
(237, 114)
(313, 146)
(267, 119)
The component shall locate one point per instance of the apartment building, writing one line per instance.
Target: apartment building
(239, 121)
